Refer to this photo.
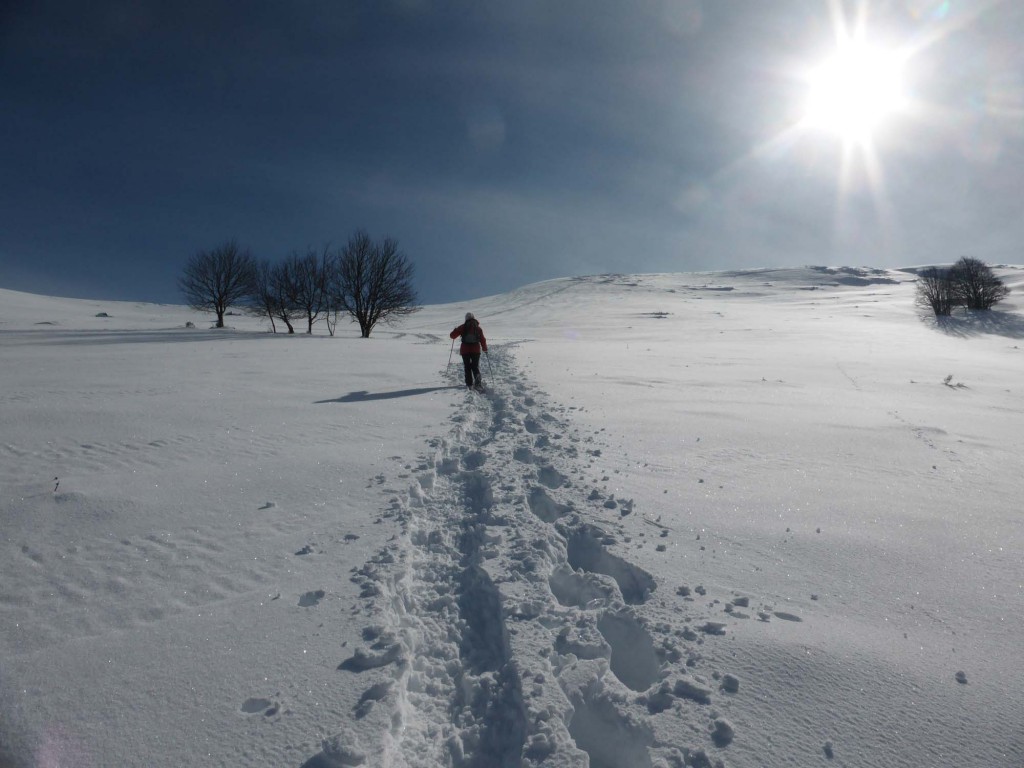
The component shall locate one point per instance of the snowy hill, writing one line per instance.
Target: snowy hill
(760, 518)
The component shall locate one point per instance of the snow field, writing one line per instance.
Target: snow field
(736, 519)
(213, 486)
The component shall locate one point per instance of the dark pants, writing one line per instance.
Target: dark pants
(471, 363)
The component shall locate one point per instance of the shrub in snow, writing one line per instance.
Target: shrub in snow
(936, 289)
(977, 286)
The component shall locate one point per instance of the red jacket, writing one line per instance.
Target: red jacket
(470, 349)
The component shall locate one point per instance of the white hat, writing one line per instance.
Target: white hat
(470, 316)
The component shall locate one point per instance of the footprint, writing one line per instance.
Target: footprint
(713, 628)
(787, 616)
(586, 553)
(524, 455)
(531, 426)
(255, 705)
(474, 460)
(692, 689)
(478, 493)
(311, 598)
(634, 660)
(362, 660)
(545, 508)
(583, 642)
(371, 696)
(609, 738)
(551, 477)
(31, 554)
(575, 590)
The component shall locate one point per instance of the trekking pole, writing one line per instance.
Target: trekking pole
(489, 371)
(450, 353)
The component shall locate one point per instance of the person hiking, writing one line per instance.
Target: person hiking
(473, 342)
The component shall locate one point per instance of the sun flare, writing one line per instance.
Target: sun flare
(854, 91)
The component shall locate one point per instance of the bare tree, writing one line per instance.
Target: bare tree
(267, 298)
(333, 304)
(261, 299)
(373, 282)
(282, 289)
(308, 283)
(936, 289)
(215, 280)
(977, 285)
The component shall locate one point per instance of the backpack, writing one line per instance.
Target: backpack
(471, 332)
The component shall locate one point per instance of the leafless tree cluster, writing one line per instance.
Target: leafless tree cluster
(372, 282)
(968, 283)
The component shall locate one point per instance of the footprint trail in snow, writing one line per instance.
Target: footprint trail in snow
(508, 626)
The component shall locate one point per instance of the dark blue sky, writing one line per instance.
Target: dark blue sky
(500, 142)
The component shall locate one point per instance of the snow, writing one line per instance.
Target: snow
(757, 518)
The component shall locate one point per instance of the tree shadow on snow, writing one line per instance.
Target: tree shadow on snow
(363, 396)
(320, 760)
(979, 323)
(80, 337)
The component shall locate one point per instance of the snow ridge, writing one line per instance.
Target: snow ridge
(507, 632)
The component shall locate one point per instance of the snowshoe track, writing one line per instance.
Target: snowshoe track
(507, 632)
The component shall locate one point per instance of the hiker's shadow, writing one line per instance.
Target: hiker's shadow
(362, 396)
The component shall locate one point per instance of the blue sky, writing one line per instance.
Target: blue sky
(501, 143)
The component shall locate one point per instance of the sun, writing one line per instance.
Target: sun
(852, 93)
